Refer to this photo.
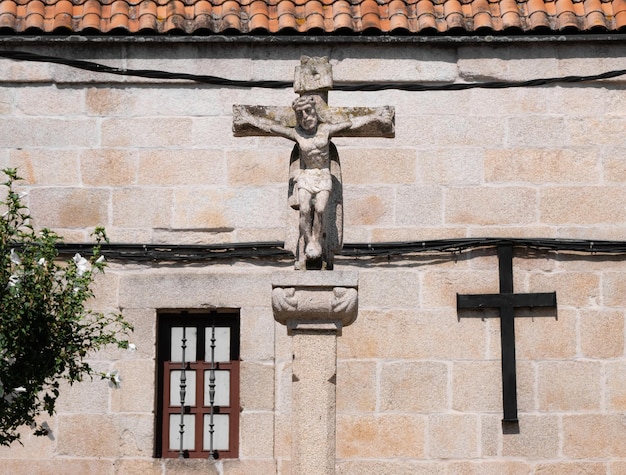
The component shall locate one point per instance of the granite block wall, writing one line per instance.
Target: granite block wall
(418, 388)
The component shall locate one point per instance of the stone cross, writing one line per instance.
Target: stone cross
(315, 187)
(506, 302)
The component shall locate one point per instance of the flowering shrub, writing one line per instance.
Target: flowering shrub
(46, 332)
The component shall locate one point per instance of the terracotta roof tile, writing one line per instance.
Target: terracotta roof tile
(418, 17)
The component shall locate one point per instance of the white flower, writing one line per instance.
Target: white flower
(132, 347)
(15, 258)
(114, 378)
(41, 261)
(13, 281)
(13, 394)
(100, 260)
(82, 264)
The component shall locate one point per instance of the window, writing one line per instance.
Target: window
(198, 384)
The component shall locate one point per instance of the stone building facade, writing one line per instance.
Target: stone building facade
(418, 386)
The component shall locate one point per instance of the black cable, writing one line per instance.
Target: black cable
(275, 250)
(218, 81)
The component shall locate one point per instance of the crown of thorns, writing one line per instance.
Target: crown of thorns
(303, 101)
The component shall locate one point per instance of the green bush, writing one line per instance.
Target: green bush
(46, 332)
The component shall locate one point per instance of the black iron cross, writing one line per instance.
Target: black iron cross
(506, 302)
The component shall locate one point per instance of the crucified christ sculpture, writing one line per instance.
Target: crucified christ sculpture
(313, 160)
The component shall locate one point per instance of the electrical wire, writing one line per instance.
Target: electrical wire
(276, 250)
(219, 81)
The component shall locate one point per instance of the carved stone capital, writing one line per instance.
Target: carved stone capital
(315, 300)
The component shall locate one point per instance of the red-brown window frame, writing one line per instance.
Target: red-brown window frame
(201, 320)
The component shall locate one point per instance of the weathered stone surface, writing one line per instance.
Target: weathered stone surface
(414, 387)
(375, 436)
(538, 438)
(453, 436)
(570, 386)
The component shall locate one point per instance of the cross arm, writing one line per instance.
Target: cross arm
(365, 121)
(482, 301)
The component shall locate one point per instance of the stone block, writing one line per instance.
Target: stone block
(30, 447)
(50, 101)
(70, 207)
(181, 167)
(395, 467)
(145, 132)
(137, 389)
(7, 100)
(257, 386)
(412, 233)
(192, 290)
(477, 63)
(151, 101)
(594, 436)
(455, 131)
(258, 167)
(616, 386)
(453, 436)
(227, 209)
(414, 387)
(584, 205)
(46, 167)
(143, 336)
(247, 467)
(257, 335)
(542, 165)
(90, 396)
(256, 434)
(216, 133)
(569, 386)
(613, 165)
(376, 436)
(573, 289)
(190, 467)
(601, 333)
(487, 467)
(490, 435)
(477, 386)
(390, 290)
(450, 166)
(511, 205)
(92, 435)
(537, 131)
(136, 435)
(588, 131)
(142, 207)
(614, 289)
(538, 438)
(356, 386)
(377, 166)
(71, 466)
(25, 72)
(108, 167)
(545, 337)
(131, 466)
(367, 206)
(586, 468)
(36, 132)
(440, 288)
(420, 205)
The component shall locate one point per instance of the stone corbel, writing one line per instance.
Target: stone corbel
(315, 300)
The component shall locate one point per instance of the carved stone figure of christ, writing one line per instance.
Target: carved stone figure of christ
(312, 180)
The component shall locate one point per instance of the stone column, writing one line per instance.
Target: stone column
(315, 306)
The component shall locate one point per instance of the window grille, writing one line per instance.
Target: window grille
(198, 385)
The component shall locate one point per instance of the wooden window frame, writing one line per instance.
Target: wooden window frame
(201, 320)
